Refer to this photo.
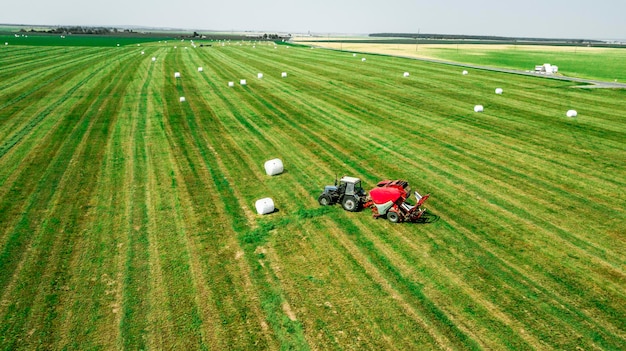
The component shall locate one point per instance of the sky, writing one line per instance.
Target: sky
(580, 19)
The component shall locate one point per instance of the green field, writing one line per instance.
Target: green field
(127, 218)
(607, 64)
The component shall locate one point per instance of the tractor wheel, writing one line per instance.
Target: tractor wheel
(324, 200)
(393, 217)
(349, 203)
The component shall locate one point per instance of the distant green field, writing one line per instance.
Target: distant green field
(27, 39)
(596, 63)
(127, 217)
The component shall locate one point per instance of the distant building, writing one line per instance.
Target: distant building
(546, 68)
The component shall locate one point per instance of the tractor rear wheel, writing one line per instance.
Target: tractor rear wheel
(349, 203)
(393, 217)
(324, 200)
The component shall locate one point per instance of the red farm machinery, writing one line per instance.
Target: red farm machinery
(387, 200)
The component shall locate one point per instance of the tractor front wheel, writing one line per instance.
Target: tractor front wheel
(393, 217)
(349, 203)
(324, 200)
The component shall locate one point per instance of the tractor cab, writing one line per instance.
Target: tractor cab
(351, 186)
(349, 193)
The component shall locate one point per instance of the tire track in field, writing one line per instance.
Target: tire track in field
(21, 133)
(207, 153)
(17, 59)
(249, 170)
(48, 164)
(403, 252)
(24, 72)
(20, 185)
(55, 251)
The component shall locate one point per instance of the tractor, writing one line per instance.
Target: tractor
(349, 193)
(389, 199)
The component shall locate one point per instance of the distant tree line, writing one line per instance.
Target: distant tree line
(78, 30)
(475, 37)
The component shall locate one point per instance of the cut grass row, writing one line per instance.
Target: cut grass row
(166, 251)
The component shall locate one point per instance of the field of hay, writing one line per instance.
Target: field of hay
(127, 217)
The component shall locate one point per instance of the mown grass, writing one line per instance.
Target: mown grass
(127, 218)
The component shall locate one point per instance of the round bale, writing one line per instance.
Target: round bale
(243, 82)
(274, 167)
(499, 91)
(478, 108)
(465, 73)
(406, 74)
(572, 113)
(182, 99)
(264, 206)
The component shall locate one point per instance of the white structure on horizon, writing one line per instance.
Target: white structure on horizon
(546, 68)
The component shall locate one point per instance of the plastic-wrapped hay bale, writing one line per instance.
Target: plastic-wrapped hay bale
(284, 74)
(478, 108)
(274, 167)
(363, 59)
(243, 82)
(465, 73)
(200, 69)
(499, 91)
(182, 99)
(264, 206)
(153, 59)
(142, 52)
(406, 74)
(260, 75)
(231, 84)
(572, 113)
(176, 74)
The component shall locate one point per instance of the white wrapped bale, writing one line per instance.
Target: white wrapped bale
(406, 74)
(499, 91)
(478, 108)
(264, 206)
(182, 99)
(200, 69)
(153, 59)
(243, 82)
(274, 167)
(363, 59)
(283, 75)
(353, 55)
(259, 75)
(231, 84)
(465, 73)
(176, 74)
(572, 113)
(142, 52)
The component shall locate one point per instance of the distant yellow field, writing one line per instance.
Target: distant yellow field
(427, 50)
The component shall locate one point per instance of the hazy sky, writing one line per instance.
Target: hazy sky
(599, 19)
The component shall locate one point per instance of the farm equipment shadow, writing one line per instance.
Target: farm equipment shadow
(427, 218)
